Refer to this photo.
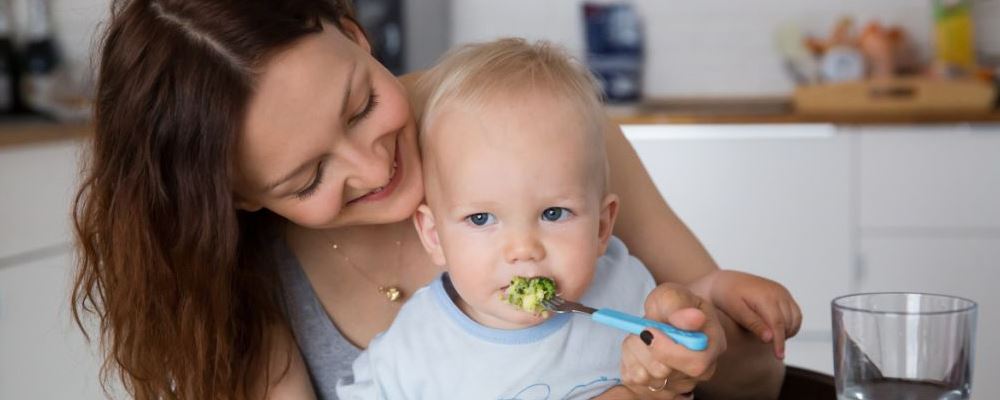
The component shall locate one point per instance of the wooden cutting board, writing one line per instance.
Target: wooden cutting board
(897, 96)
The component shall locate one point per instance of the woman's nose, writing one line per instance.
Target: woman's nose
(523, 246)
(369, 165)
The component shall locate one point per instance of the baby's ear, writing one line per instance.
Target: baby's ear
(609, 211)
(423, 220)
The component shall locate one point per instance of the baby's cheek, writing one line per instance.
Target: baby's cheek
(575, 285)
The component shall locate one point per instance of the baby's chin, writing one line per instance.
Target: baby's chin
(523, 319)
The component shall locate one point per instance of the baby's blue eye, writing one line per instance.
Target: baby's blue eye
(481, 219)
(555, 214)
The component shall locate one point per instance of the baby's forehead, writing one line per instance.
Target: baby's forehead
(514, 141)
(512, 118)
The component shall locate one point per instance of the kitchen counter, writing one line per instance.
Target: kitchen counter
(776, 110)
(25, 132)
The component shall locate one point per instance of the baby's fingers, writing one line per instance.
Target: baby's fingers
(751, 320)
(775, 318)
(796, 319)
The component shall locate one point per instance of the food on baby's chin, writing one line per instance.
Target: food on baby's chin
(527, 294)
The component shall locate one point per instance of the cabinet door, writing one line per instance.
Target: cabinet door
(964, 266)
(43, 355)
(37, 184)
(930, 178)
(770, 200)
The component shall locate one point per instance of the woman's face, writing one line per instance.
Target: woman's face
(329, 139)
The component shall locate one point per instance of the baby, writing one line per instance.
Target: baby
(516, 186)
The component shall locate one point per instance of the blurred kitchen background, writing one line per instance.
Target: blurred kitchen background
(836, 146)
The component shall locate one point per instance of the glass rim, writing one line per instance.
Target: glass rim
(970, 306)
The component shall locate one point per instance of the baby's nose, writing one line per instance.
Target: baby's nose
(524, 247)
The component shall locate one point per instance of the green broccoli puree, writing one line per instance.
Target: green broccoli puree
(527, 294)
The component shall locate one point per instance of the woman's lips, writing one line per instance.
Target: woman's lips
(395, 173)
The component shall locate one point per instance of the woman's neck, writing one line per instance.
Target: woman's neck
(371, 236)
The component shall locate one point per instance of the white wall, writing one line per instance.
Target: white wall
(427, 31)
(695, 48)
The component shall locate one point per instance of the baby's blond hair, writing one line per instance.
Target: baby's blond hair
(476, 74)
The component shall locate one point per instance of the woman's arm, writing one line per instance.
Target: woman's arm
(671, 252)
(288, 378)
(647, 225)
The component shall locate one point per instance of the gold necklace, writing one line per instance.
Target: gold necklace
(391, 292)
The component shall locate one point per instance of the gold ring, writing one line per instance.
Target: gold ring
(657, 389)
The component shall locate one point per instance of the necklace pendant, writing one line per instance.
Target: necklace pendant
(391, 293)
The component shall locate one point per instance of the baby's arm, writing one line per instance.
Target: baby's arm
(617, 393)
(759, 305)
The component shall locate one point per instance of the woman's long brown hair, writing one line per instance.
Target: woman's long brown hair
(182, 283)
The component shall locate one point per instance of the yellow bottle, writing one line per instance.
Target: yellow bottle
(954, 33)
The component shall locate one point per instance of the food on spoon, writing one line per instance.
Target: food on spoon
(527, 294)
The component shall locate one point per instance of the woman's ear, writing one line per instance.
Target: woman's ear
(609, 211)
(423, 219)
(242, 203)
(354, 32)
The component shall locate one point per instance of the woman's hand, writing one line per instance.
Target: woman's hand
(759, 305)
(653, 365)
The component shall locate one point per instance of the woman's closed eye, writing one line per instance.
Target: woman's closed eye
(369, 106)
(311, 188)
(481, 219)
(554, 214)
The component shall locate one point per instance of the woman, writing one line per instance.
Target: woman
(244, 221)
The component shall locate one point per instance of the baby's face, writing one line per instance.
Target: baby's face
(514, 191)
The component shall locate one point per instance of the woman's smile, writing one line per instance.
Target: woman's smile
(382, 192)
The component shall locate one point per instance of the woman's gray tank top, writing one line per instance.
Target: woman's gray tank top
(328, 355)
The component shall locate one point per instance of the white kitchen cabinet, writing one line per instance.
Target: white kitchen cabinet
(42, 353)
(811, 350)
(37, 184)
(930, 221)
(947, 264)
(770, 200)
(927, 178)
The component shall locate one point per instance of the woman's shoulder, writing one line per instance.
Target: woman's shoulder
(409, 80)
(417, 95)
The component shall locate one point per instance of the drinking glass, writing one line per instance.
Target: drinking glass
(903, 346)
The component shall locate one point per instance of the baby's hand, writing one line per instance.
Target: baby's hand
(760, 305)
